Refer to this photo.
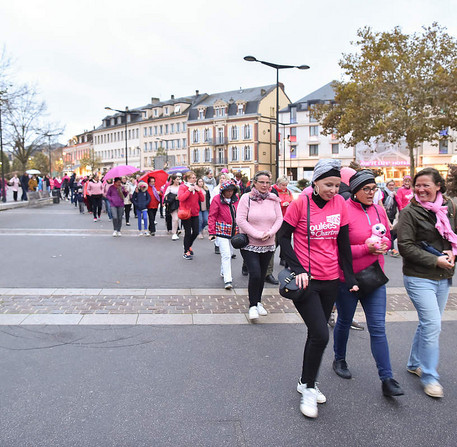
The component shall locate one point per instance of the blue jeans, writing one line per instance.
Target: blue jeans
(202, 220)
(142, 214)
(429, 298)
(108, 208)
(374, 306)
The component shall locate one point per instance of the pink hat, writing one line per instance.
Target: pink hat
(346, 174)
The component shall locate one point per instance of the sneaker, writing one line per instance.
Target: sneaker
(332, 319)
(114, 233)
(140, 233)
(152, 234)
(417, 371)
(128, 224)
(95, 219)
(228, 285)
(155, 223)
(200, 236)
(394, 253)
(434, 390)
(341, 369)
(253, 313)
(262, 311)
(308, 402)
(216, 250)
(187, 256)
(191, 251)
(146, 233)
(321, 399)
(356, 326)
(119, 234)
(175, 237)
(234, 256)
(244, 270)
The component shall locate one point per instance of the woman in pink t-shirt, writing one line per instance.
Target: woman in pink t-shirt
(316, 267)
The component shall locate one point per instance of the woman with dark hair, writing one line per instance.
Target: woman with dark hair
(363, 214)
(314, 260)
(204, 208)
(172, 204)
(95, 193)
(190, 195)
(428, 245)
(222, 225)
(116, 194)
(259, 216)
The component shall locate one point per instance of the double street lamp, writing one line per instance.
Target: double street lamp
(277, 67)
(125, 113)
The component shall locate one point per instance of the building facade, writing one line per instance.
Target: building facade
(235, 130)
(78, 147)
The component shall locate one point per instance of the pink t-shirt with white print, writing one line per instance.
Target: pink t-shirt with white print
(325, 225)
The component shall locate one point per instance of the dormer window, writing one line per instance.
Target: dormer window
(119, 120)
(240, 110)
(201, 114)
(112, 122)
(177, 108)
(220, 111)
(156, 112)
(165, 110)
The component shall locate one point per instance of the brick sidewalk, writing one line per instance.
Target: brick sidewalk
(150, 301)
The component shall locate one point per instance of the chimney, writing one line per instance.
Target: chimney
(154, 100)
(262, 91)
(281, 85)
(197, 92)
(172, 96)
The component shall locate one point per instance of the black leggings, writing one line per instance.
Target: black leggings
(190, 232)
(127, 209)
(96, 202)
(257, 264)
(315, 310)
(152, 217)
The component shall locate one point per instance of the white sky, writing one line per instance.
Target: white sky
(85, 55)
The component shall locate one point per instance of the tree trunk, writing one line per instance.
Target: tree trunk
(412, 167)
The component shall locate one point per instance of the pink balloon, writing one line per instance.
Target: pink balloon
(346, 174)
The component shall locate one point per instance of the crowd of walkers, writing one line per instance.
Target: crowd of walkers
(334, 234)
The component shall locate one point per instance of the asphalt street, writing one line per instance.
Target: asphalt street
(55, 246)
(209, 386)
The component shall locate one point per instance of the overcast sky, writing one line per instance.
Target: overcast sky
(85, 55)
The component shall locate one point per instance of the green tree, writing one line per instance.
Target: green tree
(91, 161)
(39, 161)
(398, 87)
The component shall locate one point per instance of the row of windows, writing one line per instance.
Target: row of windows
(220, 111)
(166, 144)
(206, 135)
(293, 116)
(118, 153)
(164, 129)
(117, 136)
(235, 154)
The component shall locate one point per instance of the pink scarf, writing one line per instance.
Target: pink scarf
(442, 222)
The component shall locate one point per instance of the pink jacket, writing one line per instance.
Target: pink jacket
(256, 218)
(190, 200)
(360, 225)
(221, 218)
(94, 188)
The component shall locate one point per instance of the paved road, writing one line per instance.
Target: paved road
(55, 246)
(208, 386)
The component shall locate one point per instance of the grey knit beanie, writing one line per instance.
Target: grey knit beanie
(326, 167)
(360, 179)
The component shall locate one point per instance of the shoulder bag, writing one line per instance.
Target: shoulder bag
(241, 240)
(288, 287)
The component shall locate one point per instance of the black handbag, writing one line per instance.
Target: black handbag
(240, 240)
(370, 279)
(288, 287)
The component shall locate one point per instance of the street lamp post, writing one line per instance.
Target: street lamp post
(277, 67)
(125, 113)
(1, 155)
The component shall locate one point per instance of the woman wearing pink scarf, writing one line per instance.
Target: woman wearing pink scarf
(428, 244)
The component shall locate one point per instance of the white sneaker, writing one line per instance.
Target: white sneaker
(146, 233)
(321, 399)
(114, 233)
(140, 233)
(308, 403)
(119, 234)
(253, 313)
(175, 237)
(262, 311)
